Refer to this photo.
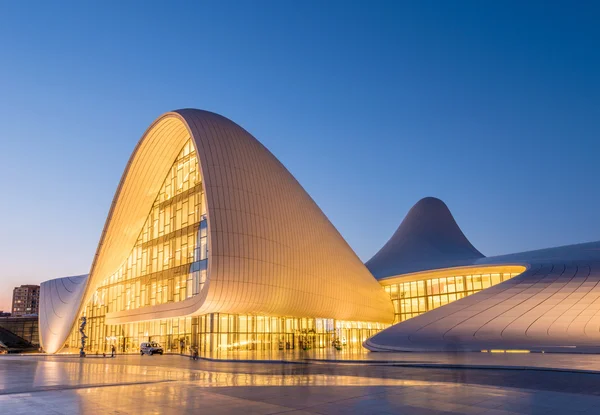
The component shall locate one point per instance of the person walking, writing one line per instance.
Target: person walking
(113, 351)
(194, 351)
(181, 346)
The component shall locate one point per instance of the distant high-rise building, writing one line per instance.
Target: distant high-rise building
(26, 300)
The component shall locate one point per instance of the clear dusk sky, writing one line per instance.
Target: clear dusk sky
(494, 107)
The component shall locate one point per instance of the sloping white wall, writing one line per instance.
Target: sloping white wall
(59, 301)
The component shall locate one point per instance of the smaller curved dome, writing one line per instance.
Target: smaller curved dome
(427, 238)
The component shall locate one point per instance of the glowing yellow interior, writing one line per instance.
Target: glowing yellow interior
(416, 293)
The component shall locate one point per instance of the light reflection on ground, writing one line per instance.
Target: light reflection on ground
(165, 384)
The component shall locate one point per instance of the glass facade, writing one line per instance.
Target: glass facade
(24, 327)
(169, 260)
(218, 332)
(436, 289)
(169, 264)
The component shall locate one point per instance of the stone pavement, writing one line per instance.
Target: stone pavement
(554, 361)
(175, 384)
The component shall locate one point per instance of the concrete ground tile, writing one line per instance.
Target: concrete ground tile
(216, 388)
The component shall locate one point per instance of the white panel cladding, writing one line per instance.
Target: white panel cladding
(272, 250)
(553, 306)
(428, 238)
(59, 301)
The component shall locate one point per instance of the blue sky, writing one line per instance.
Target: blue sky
(494, 107)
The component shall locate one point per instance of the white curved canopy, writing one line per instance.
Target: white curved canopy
(553, 306)
(271, 249)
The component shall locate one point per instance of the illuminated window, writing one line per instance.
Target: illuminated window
(420, 296)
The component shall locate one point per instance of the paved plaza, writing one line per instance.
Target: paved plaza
(552, 361)
(174, 384)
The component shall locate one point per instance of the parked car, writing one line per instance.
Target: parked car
(151, 348)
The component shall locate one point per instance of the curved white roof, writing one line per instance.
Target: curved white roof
(427, 238)
(272, 250)
(553, 306)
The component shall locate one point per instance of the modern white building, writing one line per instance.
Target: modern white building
(545, 300)
(210, 243)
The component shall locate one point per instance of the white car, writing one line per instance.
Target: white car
(151, 348)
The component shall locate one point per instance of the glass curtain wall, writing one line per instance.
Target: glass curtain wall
(168, 262)
(218, 332)
(413, 298)
(24, 327)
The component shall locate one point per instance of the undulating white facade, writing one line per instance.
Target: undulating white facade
(550, 302)
(60, 299)
(269, 250)
(211, 244)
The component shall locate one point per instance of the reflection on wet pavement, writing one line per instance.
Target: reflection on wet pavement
(174, 384)
(576, 361)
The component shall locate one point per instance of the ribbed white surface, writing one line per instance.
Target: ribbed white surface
(428, 238)
(553, 306)
(271, 249)
(59, 300)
